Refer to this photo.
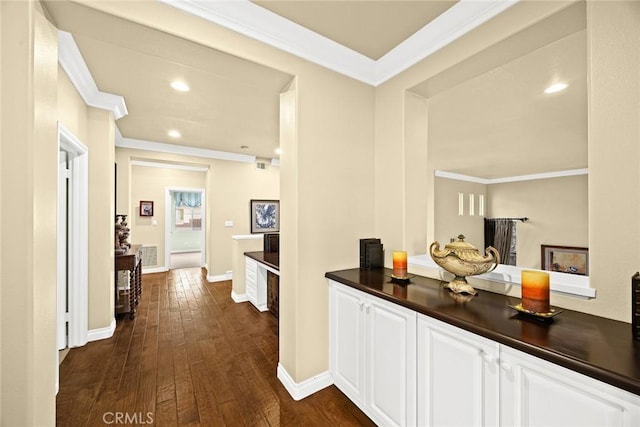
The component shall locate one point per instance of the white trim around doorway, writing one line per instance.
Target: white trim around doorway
(78, 240)
(167, 224)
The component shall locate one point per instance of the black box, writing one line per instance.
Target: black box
(375, 256)
(363, 250)
(371, 253)
(635, 305)
(271, 242)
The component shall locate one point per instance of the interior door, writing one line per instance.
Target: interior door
(62, 252)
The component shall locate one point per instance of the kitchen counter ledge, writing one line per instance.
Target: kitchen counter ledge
(271, 259)
(601, 348)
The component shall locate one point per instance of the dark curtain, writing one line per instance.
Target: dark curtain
(498, 233)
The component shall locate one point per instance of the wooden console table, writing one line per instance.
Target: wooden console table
(131, 261)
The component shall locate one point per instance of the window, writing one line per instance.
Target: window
(188, 218)
(188, 211)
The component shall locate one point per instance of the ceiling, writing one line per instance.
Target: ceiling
(372, 28)
(234, 102)
(498, 122)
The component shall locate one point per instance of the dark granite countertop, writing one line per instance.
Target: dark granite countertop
(595, 346)
(272, 259)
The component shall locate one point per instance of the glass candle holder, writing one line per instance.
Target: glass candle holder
(399, 264)
(535, 291)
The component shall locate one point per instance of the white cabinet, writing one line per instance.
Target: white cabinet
(373, 353)
(535, 392)
(458, 376)
(256, 284)
(408, 369)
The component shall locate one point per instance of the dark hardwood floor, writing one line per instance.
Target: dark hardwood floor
(190, 357)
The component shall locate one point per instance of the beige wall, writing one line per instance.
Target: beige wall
(101, 137)
(2, 59)
(28, 176)
(557, 209)
(233, 185)
(342, 129)
(333, 202)
(150, 183)
(95, 129)
(332, 164)
(613, 30)
(397, 155)
(417, 197)
(228, 188)
(448, 224)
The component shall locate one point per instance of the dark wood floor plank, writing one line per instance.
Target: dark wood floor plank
(191, 356)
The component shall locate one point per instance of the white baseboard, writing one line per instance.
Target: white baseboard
(147, 270)
(219, 278)
(102, 333)
(307, 387)
(239, 297)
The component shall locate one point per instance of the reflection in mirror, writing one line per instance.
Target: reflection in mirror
(494, 132)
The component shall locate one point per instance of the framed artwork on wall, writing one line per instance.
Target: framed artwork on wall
(565, 259)
(265, 216)
(146, 208)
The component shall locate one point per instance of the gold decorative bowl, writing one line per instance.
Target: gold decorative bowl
(463, 259)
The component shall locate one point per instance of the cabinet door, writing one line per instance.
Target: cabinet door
(250, 275)
(391, 361)
(347, 336)
(261, 288)
(458, 376)
(538, 393)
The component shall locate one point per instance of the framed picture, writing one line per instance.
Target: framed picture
(565, 259)
(146, 208)
(265, 216)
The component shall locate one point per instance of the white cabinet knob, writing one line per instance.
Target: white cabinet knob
(487, 357)
(505, 367)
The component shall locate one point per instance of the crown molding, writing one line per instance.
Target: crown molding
(164, 165)
(160, 147)
(532, 177)
(72, 62)
(251, 20)
(458, 20)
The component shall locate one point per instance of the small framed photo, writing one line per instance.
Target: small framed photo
(565, 259)
(146, 208)
(265, 216)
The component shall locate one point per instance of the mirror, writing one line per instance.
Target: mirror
(502, 147)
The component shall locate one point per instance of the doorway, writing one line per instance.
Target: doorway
(185, 227)
(72, 318)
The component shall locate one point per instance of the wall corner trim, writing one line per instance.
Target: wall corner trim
(299, 391)
(238, 298)
(219, 278)
(147, 270)
(102, 333)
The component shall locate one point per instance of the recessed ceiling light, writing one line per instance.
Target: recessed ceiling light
(278, 151)
(557, 87)
(180, 86)
(244, 147)
(174, 134)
